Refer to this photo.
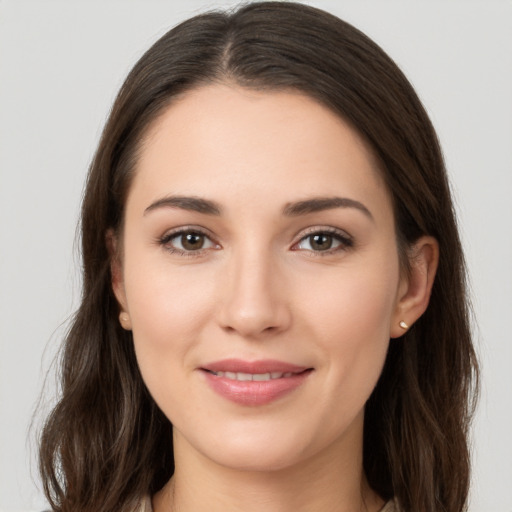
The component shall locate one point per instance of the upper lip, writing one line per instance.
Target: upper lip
(254, 367)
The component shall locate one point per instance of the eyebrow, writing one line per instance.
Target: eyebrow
(295, 209)
(194, 204)
(318, 204)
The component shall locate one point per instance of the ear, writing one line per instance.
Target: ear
(415, 287)
(116, 272)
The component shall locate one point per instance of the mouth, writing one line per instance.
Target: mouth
(254, 383)
(259, 377)
(260, 367)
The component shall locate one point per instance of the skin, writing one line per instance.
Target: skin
(260, 289)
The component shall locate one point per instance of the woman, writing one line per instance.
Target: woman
(274, 313)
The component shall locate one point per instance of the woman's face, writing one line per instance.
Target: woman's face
(260, 274)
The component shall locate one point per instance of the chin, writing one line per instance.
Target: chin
(245, 446)
(259, 446)
(257, 459)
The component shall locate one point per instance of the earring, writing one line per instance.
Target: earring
(403, 325)
(124, 320)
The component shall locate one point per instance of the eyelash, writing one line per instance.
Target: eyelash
(165, 241)
(346, 242)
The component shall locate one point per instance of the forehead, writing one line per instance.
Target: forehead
(230, 141)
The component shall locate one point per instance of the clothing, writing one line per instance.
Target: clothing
(145, 506)
(390, 506)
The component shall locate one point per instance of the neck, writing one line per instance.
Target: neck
(324, 482)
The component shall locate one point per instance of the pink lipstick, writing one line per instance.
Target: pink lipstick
(254, 382)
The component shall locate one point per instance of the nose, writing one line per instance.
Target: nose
(254, 303)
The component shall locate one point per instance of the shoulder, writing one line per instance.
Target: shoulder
(144, 506)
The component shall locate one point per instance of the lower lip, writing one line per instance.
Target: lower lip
(255, 392)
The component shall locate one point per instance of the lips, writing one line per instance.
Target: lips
(254, 382)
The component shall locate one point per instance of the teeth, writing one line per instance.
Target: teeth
(261, 376)
(253, 376)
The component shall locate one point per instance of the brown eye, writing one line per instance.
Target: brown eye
(320, 242)
(187, 242)
(325, 241)
(192, 241)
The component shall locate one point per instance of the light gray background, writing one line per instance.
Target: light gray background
(61, 63)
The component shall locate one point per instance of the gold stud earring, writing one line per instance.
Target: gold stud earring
(124, 320)
(403, 325)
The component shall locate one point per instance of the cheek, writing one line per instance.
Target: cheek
(163, 297)
(165, 333)
(352, 322)
(167, 309)
(354, 302)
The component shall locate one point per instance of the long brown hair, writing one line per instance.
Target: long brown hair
(106, 443)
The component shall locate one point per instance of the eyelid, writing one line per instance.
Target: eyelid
(165, 239)
(346, 240)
